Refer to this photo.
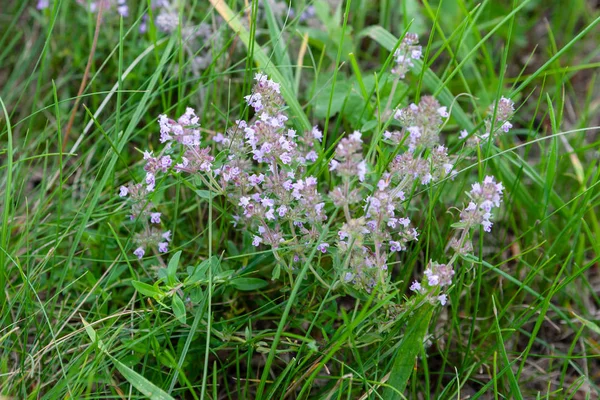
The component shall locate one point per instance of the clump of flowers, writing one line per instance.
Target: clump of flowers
(261, 166)
(143, 210)
(484, 197)
(496, 124)
(407, 51)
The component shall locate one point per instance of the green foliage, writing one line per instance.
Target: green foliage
(217, 318)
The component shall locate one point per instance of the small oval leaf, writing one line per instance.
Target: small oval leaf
(178, 309)
(248, 284)
(173, 264)
(147, 290)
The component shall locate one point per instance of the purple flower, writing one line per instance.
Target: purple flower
(311, 181)
(150, 179)
(312, 156)
(256, 180)
(165, 162)
(139, 252)
(443, 299)
(122, 9)
(432, 279)
(355, 136)
(256, 240)
(270, 215)
(155, 218)
(167, 236)
(395, 246)
(163, 247)
(416, 287)
(123, 191)
(282, 210)
(244, 201)
(266, 202)
(323, 247)
(316, 133)
(285, 158)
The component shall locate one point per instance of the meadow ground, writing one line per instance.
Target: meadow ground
(404, 205)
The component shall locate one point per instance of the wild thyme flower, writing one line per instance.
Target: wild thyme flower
(156, 6)
(263, 174)
(423, 122)
(42, 4)
(443, 299)
(439, 274)
(167, 20)
(487, 194)
(265, 96)
(484, 197)
(348, 161)
(504, 112)
(408, 51)
(263, 170)
(139, 252)
(323, 247)
(151, 237)
(143, 210)
(407, 168)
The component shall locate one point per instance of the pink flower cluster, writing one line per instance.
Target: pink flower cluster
(261, 167)
(183, 132)
(408, 51)
(504, 109)
(436, 276)
(142, 209)
(263, 174)
(484, 197)
(373, 232)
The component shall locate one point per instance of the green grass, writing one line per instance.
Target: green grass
(80, 315)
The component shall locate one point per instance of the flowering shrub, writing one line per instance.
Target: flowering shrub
(264, 170)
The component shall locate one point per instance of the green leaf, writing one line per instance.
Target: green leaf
(196, 294)
(340, 92)
(147, 290)
(206, 194)
(276, 272)
(198, 272)
(172, 267)
(92, 334)
(248, 284)
(142, 384)
(178, 308)
(591, 325)
(407, 352)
